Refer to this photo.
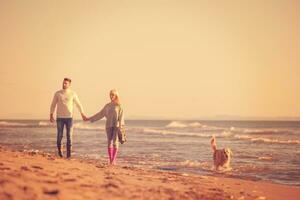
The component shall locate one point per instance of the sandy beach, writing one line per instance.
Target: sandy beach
(31, 175)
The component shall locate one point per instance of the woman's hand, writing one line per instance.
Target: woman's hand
(84, 118)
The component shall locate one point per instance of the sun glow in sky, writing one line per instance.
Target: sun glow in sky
(168, 59)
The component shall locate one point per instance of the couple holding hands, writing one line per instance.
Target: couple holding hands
(64, 101)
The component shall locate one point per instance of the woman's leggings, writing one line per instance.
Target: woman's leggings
(112, 137)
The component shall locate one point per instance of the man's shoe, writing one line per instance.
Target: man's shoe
(69, 151)
(60, 154)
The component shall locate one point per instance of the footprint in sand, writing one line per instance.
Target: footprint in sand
(51, 191)
(3, 181)
(111, 185)
(4, 168)
(26, 188)
(50, 181)
(216, 189)
(86, 185)
(69, 180)
(120, 181)
(127, 167)
(8, 195)
(15, 173)
(109, 177)
(25, 168)
(86, 175)
(37, 167)
(39, 173)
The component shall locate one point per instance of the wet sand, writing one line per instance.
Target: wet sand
(31, 175)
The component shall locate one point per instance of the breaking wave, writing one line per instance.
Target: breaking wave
(4, 123)
(195, 134)
(266, 140)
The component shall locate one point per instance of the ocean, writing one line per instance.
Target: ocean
(262, 150)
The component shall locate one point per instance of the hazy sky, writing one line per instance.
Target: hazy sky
(168, 59)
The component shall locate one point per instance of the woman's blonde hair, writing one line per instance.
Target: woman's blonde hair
(116, 93)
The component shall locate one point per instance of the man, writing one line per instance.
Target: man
(64, 100)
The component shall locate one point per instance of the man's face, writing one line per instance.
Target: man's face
(66, 84)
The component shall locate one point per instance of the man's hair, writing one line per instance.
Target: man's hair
(68, 79)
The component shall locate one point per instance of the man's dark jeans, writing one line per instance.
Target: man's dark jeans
(61, 123)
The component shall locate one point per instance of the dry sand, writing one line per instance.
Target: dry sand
(43, 176)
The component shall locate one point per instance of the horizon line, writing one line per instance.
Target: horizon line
(220, 118)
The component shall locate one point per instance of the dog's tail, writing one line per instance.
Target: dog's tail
(213, 143)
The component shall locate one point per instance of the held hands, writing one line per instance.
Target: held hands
(84, 118)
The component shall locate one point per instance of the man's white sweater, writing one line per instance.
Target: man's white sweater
(64, 100)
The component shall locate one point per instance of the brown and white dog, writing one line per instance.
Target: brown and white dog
(222, 157)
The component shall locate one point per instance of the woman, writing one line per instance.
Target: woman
(113, 113)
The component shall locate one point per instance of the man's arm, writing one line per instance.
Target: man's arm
(79, 107)
(52, 107)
